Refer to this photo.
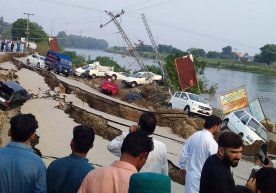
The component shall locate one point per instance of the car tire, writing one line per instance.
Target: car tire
(82, 75)
(114, 77)
(28, 62)
(133, 84)
(241, 135)
(169, 106)
(93, 76)
(38, 65)
(224, 124)
(187, 110)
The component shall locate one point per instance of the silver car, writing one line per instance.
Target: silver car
(36, 60)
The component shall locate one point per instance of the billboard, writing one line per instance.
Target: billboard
(185, 68)
(256, 110)
(233, 100)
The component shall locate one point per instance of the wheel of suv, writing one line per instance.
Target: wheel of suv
(28, 62)
(133, 84)
(38, 65)
(82, 75)
(187, 110)
(114, 77)
(224, 124)
(170, 106)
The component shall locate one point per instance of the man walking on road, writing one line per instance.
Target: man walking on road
(21, 170)
(196, 150)
(216, 176)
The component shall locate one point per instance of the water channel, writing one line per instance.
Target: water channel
(258, 85)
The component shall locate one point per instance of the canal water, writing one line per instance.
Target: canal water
(258, 85)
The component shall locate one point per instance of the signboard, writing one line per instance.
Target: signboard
(185, 68)
(256, 110)
(233, 100)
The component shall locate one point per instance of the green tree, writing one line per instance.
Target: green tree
(267, 55)
(172, 72)
(37, 33)
(81, 42)
(197, 52)
(212, 54)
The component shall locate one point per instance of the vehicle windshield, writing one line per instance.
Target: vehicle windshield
(196, 98)
(258, 128)
(62, 61)
(85, 67)
(42, 58)
(136, 75)
(5, 92)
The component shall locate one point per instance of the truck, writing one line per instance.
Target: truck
(99, 70)
(59, 63)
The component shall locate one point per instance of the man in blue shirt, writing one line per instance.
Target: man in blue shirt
(65, 175)
(21, 170)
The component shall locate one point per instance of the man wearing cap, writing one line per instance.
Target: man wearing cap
(66, 174)
(157, 160)
(216, 176)
(146, 182)
(195, 152)
(21, 170)
(115, 178)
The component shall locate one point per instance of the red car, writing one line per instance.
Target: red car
(109, 87)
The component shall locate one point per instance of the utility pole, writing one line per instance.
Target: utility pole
(27, 29)
(131, 47)
(158, 55)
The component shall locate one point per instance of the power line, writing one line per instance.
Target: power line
(72, 5)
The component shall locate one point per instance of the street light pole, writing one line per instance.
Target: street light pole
(27, 29)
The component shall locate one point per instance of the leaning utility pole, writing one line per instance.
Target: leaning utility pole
(158, 55)
(131, 47)
(27, 29)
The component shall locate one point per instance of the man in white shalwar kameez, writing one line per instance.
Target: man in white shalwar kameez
(196, 150)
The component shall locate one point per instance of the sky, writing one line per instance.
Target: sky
(245, 25)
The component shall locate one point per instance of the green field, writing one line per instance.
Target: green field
(239, 66)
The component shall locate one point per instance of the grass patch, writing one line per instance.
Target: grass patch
(239, 66)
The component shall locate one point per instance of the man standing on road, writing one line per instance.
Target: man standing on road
(157, 160)
(216, 176)
(195, 152)
(66, 174)
(21, 170)
(115, 178)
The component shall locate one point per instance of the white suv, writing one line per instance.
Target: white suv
(190, 103)
(245, 125)
(141, 78)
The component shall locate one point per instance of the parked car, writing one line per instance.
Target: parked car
(109, 87)
(36, 59)
(99, 70)
(12, 94)
(116, 75)
(190, 103)
(141, 78)
(82, 71)
(59, 63)
(245, 125)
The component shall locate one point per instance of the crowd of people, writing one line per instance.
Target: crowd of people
(142, 167)
(11, 46)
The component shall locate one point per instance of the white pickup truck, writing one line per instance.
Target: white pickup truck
(99, 70)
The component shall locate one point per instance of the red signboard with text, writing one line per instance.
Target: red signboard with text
(186, 71)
